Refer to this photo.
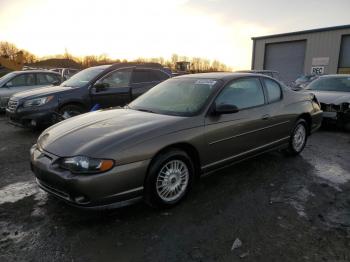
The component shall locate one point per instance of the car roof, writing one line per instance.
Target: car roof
(35, 71)
(257, 71)
(130, 64)
(225, 76)
(335, 76)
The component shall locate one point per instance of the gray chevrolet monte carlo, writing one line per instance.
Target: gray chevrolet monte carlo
(157, 146)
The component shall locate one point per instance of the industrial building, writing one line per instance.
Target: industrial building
(317, 51)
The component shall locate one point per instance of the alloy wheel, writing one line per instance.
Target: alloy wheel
(172, 180)
(299, 137)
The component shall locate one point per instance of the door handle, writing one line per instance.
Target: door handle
(265, 117)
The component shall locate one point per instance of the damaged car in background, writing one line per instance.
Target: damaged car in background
(157, 146)
(333, 93)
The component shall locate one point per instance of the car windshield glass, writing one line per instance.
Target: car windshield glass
(338, 84)
(83, 77)
(182, 96)
(5, 78)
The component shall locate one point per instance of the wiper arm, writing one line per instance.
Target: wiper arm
(145, 110)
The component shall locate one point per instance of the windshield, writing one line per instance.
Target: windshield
(304, 78)
(337, 84)
(182, 96)
(5, 78)
(83, 77)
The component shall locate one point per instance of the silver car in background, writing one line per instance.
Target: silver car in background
(333, 93)
(19, 81)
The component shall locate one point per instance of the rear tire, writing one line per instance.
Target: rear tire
(298, 138)
(169, 179)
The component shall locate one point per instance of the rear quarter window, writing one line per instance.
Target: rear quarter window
(273, 89)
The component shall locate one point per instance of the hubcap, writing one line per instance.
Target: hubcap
(69, 114)
(172, 180)
(299, 137)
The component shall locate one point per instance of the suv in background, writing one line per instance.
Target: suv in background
(19, 81)
(66, 72)
(95, 87)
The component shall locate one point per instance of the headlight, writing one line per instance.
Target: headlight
(37, 101)
(83, 164)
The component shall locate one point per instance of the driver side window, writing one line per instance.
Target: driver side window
(22, 80)
(242, 93)
(119, 78)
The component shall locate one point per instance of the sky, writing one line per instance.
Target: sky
(212, 29)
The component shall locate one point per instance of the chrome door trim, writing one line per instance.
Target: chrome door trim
(249, 132)
(245, 152)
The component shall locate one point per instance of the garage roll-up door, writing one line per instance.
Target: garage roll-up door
(344, 57)
(287, 58)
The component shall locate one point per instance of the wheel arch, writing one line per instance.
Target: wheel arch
(75, 103)
(183, 146)
(308, 119)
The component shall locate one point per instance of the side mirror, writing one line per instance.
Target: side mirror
(100, 86)
(225, 109)
(55, 83)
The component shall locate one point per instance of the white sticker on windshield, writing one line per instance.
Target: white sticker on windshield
(205, 82)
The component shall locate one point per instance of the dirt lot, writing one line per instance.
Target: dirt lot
(281, 209)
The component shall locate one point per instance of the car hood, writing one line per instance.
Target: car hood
(331, 97)
(42, 91)
(92, 134)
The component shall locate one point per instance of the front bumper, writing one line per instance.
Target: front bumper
(31, 116)
(118, 187)
(339, 114)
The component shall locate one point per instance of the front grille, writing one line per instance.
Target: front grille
(12, 105)
(3, 102)
(329, 107)
(53, 190)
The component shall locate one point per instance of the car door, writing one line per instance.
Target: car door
(278, 120)
(142, 80)
(113, 89)
(233, 136)
(21, 82)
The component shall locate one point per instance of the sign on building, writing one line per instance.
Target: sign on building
(317, 70)
(318, 65)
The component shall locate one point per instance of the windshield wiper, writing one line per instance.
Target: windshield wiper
(144, 110)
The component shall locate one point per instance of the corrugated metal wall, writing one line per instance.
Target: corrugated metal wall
(319, 47)
(287, 58)
(344, 58)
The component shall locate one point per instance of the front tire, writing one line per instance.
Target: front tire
(169, 180)
(69, 111)
(298, 138)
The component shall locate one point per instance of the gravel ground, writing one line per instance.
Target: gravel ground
(273, 208)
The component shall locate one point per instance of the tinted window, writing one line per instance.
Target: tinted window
(161, 75)
(144, 76)
(274, 92)
(242, 93)
(120, 78)
(339, 84)
(23, 80)
(47, 79)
